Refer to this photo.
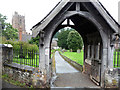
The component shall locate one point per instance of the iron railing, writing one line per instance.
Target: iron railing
(116, 59)
(26, 57)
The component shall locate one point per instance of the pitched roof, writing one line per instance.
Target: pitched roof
(100, 8)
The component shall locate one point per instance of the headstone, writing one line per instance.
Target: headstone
(78, 51)
(60, 49)
(70, 50)
(63, 50)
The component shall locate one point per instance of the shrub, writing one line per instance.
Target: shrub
(24, 45)
(20, 48)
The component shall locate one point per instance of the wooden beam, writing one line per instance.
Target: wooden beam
(68, 22)
(62, 26)
(77, 6)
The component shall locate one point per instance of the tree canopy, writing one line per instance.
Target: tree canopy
(56, 35)
(74, 41)
(8, 31)
(2, 20)
(35, 40)
(62, 38)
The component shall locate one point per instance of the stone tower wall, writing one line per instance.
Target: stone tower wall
(18, 21)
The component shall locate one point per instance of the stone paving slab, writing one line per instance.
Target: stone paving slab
(77, 80)
(62, 66)
(69, 77)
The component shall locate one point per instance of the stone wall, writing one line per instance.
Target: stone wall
(112, 78)
(17, 74)
(25, 74)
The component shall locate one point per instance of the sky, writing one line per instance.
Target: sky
(35, 10)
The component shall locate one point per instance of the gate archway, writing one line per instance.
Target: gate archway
(95, 29)
(92, 42)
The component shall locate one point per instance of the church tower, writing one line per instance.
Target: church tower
(18, 22)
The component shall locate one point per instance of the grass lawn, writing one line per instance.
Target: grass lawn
(27, 61)
(52, 51)
(116, 59)
(77, 57)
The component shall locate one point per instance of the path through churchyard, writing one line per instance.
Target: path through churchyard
(68, 76)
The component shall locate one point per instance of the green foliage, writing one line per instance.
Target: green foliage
(2, 40)
(77, 57)
(17, 45)
(6, 78)
(20, 48)
(9, 32)
(4, 75)
(56, 35)
(34, 41)
(116, 60)
(28, 60)
(74, 41)
(2, 20)
(62, 38)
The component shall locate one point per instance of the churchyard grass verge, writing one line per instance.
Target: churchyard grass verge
(77, 57)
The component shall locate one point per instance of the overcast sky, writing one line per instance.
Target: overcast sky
(35, 10)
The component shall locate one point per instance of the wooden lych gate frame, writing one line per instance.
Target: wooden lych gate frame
(97, 28)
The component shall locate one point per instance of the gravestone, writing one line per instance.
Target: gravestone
(70, 50)
(78, 51)
(63, 50)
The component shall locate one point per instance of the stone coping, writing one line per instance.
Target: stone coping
(21, 67)
(6, 45)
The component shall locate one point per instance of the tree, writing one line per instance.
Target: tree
(56, 35)
(2, 21)
(62, 38)
(7, 30)
(35, 40)
(74, 41)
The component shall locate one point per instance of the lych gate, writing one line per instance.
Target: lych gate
(97, 28)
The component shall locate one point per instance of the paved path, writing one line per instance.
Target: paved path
(62, 66)
(69, 76)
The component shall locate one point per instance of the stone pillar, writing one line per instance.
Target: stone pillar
(97, 54)
(110, 57)
(42, 57)
(88, 52)
(111, 48)
(92, 51)
(47, 61)
(103, 66)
